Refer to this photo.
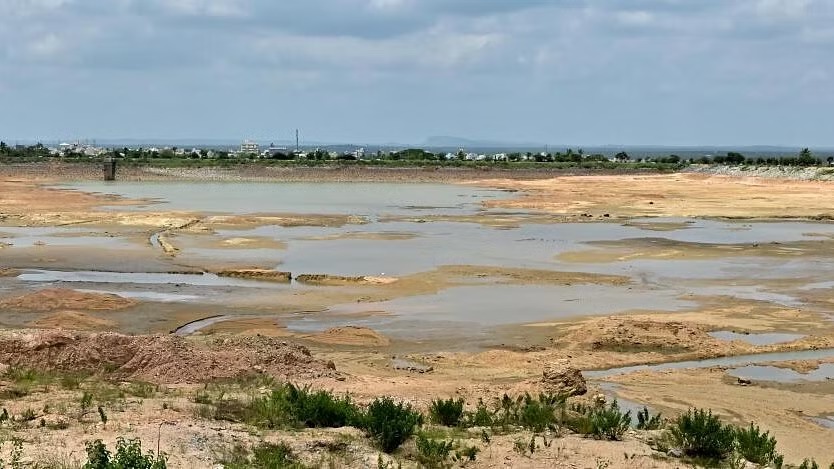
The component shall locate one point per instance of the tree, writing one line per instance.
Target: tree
(806, 158)
(621, 156)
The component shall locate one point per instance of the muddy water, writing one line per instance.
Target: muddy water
(757, 339)
(290, 197)
(782, 375)
(736, 361)
(392, 247)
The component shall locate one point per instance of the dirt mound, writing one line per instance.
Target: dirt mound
(257, 274)
(352, 335)
(63, 299)
(160, 359)
(74, 321)
(637, 335)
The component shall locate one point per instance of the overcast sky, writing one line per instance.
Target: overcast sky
(671, 72)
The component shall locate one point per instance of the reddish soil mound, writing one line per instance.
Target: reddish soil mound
(63, 299)
(160, 359)
(74, 321)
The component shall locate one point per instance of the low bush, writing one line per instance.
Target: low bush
(128, 455)
(433, 453)
(287, 406)
(755, 446)
(609, 423)
(319, 409)
(646, 421)
(446, 412)
(481, 417)
(389, 424)
(263, 456)
(698, 433)
(536, 414)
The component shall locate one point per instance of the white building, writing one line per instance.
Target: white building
(249, 147)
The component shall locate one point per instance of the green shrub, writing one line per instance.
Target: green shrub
(755, 446)
(482, 417)
(263, 456)
(319, 409)
(809, 464)
(539, 414)
(128, 456)
(446, 412)
(646, 421)
(390, 424)
(698, 433)
(433, 453)
(609, 423)
(536, 414)
(286, 406)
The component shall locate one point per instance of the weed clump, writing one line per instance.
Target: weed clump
(390, 424)
(433, 453)
(698, 433)
(646, 421)
(446, 412)
(128, 455)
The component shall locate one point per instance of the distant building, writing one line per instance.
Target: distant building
(249, 147)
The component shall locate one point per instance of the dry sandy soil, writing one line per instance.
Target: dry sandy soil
(362, 357)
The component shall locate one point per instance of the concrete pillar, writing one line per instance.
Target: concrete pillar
(109, 169)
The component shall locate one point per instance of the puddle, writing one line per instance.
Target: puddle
(782, 375)
(149, 296)
(206, 279)
(827, 422)
(736, 361)
(757, 339)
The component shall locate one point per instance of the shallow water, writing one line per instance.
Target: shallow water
(827, 422)
(782, 375)
(757, 339)
(736, 361)
(370, 199)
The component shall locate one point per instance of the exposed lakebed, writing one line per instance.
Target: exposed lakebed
(411, 229)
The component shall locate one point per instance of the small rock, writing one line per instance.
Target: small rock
(331, 365)
(675, 453)
(744, 382)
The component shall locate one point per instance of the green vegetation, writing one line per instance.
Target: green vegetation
(287, 406)
(645, 421)
(755, 446)
(700, 434)
(128, 456)
(390, 424)
(263, 456)
(446, 412)
(433, 453)
(600, 422)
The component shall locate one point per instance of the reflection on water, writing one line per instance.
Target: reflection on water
(782, 375)
(370, 199)
(757, 339)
